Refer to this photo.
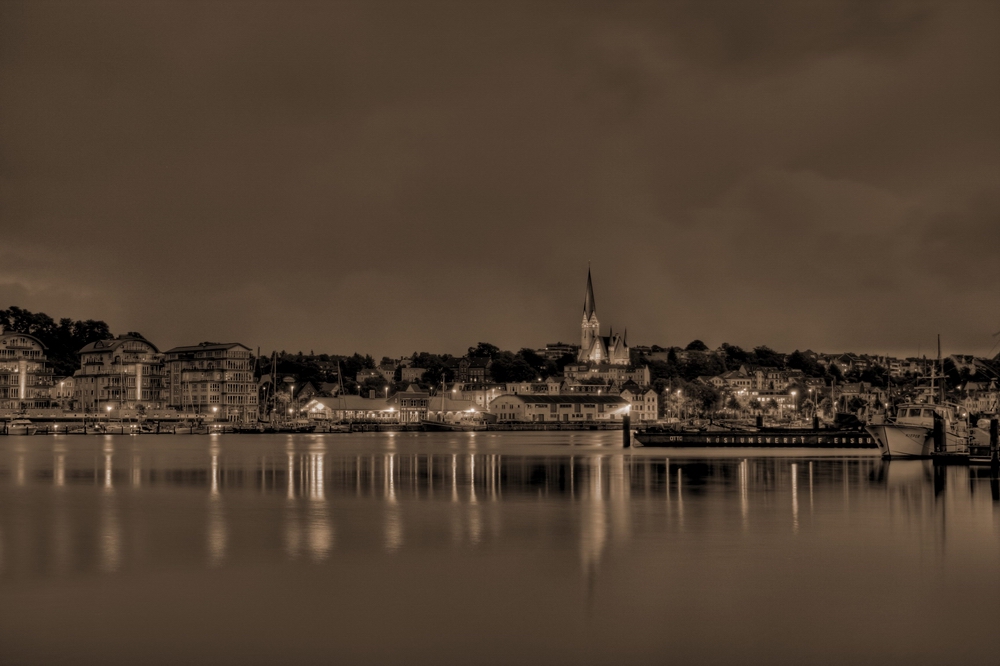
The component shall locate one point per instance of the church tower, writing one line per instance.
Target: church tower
(590, 329)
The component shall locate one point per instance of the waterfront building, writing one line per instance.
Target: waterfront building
(645, 403)
(558, 408)
(349, 408)
(121, 373)
(448, 410)
(411, 404)
(212, 378)
(595, 348)
(25, 378)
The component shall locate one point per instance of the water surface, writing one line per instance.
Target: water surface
(495, 548)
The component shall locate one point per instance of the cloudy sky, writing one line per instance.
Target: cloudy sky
(400, 176)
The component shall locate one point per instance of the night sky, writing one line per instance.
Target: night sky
(391, 177)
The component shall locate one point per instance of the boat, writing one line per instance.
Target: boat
(457, 426)
(759, 437)
(911, 433)
(21, 427)
(922, 429)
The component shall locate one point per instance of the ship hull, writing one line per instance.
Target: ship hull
(896, 441)
(782, 439)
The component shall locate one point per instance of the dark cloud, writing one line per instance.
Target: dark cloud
(397, 176)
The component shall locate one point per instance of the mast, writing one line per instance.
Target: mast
(940, 368)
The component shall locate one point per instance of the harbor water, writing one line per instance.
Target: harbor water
(491, 548)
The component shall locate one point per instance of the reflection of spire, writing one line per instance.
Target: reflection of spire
(594, 522)
(319, 531)
(810, 487)
(795, 497)
(744, 479)
(393, 519)
(110, 534)
(217, 536)
(60, 475)
(136, 471)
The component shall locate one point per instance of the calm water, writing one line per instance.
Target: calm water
(513, 548)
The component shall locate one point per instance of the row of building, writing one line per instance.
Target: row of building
(131, 373)
(511, 403)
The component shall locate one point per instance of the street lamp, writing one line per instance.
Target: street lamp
(795, 402)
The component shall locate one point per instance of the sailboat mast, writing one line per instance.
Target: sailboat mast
(940, 369)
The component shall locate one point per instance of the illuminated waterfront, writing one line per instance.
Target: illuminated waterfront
(487, 547)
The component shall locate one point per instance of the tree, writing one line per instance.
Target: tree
(733, 356)
(62, 340)
(696, 345)
(483, 350)
(535, 360)
(767, 357)
(509, 367)
(809, 367)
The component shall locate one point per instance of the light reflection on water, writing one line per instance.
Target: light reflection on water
(716, 533)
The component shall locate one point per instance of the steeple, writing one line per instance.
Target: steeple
(589, 307)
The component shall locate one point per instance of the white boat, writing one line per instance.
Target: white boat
(910, 434)
(21, 427)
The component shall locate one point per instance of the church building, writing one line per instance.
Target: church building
(595, 348)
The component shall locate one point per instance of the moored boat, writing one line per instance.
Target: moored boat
(21, 427)
(759, 438)
(911, 433)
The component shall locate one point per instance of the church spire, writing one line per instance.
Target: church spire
(589, 307)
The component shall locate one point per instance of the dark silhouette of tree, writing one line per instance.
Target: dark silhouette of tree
(483, 350)
(62, 340)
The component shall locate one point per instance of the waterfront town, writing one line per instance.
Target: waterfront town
(126, 379)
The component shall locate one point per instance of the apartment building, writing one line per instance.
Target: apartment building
(212, 378)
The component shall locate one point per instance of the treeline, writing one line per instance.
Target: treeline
(62, 338)
(505, 366)
(697, 360)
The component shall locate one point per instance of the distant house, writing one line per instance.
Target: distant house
(387, 371)
(608, 372)
(410, 374)
(365, 374)
(471, 370)
(556, 350)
